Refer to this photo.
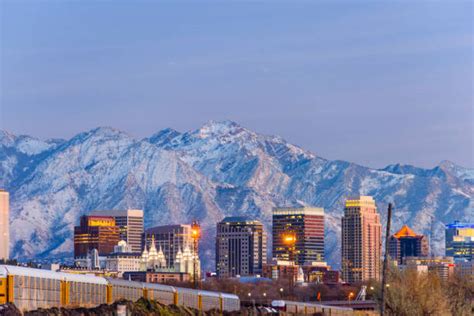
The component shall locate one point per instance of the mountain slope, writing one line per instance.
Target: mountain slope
(217, 170)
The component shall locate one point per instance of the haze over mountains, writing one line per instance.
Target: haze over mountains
(217, 170)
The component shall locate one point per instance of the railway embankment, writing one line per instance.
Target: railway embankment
(142, 307)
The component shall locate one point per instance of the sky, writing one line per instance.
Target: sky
(370, 82)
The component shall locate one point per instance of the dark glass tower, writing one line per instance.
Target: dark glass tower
(406, 243)
(307, 225)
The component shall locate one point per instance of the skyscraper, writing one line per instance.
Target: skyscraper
(307, 226)
(95, 232)
(460, 241)
(361, 240)
(4, 225)
(406, 243)
(241, 247)
(130, 223)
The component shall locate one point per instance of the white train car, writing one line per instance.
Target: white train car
(303, 308)
(30, 289)
(165, 294)
(122, 289)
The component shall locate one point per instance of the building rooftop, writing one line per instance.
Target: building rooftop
(305, 210)
(359, 201)
(457, 224)
(132, 213)
(166, 228)
(125, 254)
(237, 219)
(405, 231)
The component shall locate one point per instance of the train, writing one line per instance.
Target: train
(303, 308)
(30, 289)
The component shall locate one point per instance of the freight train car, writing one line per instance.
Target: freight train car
(303, 308)
(30, 289)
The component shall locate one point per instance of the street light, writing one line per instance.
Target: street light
(351, 295)
(195, 235)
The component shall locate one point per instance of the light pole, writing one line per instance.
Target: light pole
(386, 258)
(195, 234)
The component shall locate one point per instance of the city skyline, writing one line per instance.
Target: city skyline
(237, 157)
(313, 82)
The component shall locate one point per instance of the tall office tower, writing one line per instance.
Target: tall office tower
(95, 232)
(405, 243)
(460, 241)
(361, 240)
(130, 223)
(4, 225)
(306, 224)
(241, 247)
(171, 239)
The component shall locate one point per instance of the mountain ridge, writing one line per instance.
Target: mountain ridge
(217, 170)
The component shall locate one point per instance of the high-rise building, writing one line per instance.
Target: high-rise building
(95, 232)
(130, 223)
(171, 239)
(406, 243)
(4, 225)
(460, 241)
(307, 226)
(361, 240)
(241, 247)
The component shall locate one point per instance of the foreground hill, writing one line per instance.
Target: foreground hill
(217, 170)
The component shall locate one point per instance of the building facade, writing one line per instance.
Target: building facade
(157, 277)
(361, 240)
(460, 241)
(442, 266)
(123, 259)
(307, 225)
(95, 232)
(281, 269)
(465, 269)
(241, 247)
(406, 243)
(4, 225)
(130, 223)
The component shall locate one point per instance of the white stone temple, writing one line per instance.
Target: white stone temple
(155, 260)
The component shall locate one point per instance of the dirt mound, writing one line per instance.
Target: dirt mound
(9, 310)
(142, 307)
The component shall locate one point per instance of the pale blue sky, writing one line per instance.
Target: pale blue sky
(369, 82)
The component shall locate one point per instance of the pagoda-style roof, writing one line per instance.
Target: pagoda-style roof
(405, 231)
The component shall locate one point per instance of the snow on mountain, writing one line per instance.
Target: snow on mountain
(217, 170)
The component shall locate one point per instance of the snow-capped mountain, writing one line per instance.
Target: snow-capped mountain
(218, 170)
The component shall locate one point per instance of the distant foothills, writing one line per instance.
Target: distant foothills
(221, 169)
